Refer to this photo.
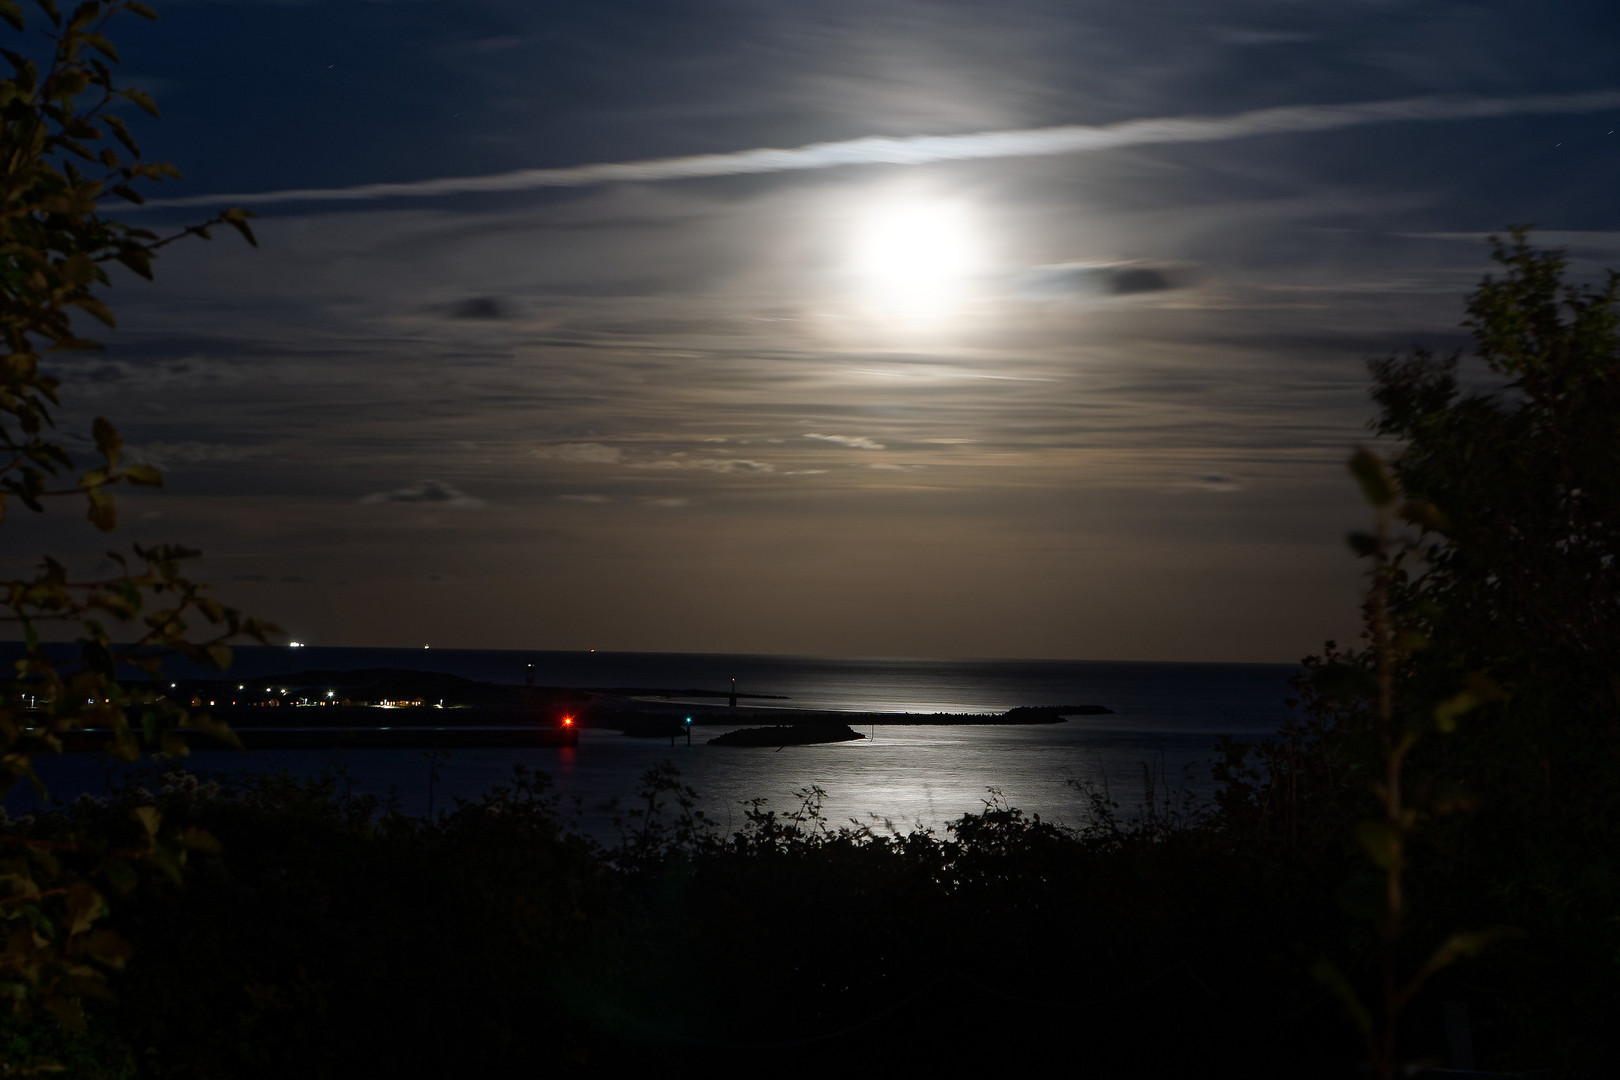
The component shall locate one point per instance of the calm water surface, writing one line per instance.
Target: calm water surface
(1167, 717)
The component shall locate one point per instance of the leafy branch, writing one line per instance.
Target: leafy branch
(65, 150)
(1386, 839)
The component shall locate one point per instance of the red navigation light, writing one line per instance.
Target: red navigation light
(568, 721)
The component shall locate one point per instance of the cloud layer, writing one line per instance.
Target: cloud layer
(684, 423)
(932, 149)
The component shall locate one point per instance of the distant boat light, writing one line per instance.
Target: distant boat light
(295, 644)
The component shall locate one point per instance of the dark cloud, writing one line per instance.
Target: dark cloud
(1218, 482)
(1090, 279)
(428, 492)
(486, 308)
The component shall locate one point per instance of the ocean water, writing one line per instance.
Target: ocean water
(1167, 717)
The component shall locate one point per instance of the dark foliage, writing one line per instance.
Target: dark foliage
(1502, 611)
(331, 937)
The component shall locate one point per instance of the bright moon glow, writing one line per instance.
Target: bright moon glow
(915, 258)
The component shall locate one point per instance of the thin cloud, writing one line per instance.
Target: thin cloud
(428, 492)
(854, 442)
(717, 465)
(191, 452)
(1239, 35)
(928, 149)
(588, 452)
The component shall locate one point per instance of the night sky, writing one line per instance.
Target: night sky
(1087, 404)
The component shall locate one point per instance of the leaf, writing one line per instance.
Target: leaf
(79, 268)
(108, 948)
(122, 875)
(1411, 640)
(141, 99)
(123, 747)
(150, 817)
(141, 9)
(197, 839)
(236, 217)
(1447, 712)
(1328, 974)
(1381, 841)
(120, 132)
(1377, 486)
(12, 13)
(1477, 690)
(84, 14)
(214, 729)
(1458, 947)
(109, 443)
(103, 513)
(95, 307)
(102, 46)
(145, 475)
(137, 260)
(1425, 515)
(247, 233)
(84, 906)
(168, 862)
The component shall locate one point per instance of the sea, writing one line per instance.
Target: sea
(1157, 744)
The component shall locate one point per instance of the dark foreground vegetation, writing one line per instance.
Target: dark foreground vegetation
(1420, 869)
(330, 937)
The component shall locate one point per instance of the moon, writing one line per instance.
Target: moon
(914, 258)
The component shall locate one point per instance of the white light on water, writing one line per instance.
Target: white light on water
(915, 258)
